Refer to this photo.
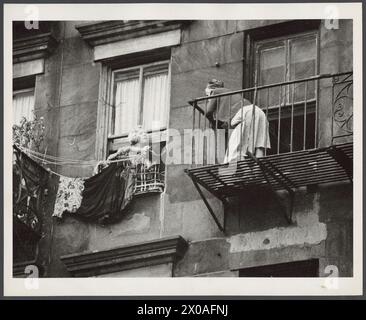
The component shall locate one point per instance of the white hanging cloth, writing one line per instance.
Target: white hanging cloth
(69, 195)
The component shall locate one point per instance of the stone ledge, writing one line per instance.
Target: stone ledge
(148, 253)
(218, 274)
(35, 47)
(111, 31)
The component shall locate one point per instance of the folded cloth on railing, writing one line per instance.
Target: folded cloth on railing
(102, 197)
(246, 138)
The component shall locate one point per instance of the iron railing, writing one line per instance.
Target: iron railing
(295, 110)
(342, 106)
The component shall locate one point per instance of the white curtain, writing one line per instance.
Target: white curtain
(155, 101)
(23, 106)
(127, 105)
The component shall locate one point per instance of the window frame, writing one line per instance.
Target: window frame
(141, 68)
(104, 141)
(269, 43)
(271, 31)
(253, 47)
(25, 90)
(286, 39)
(106, 106)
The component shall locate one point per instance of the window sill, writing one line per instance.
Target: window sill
(118, 141)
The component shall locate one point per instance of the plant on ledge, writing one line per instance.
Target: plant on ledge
(29, 133)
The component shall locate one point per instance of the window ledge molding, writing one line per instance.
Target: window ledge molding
(32, 48)
(105, 32)
(137, 255)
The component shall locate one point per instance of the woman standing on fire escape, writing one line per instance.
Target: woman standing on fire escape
(244, 137)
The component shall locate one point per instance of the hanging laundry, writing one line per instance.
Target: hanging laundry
(29, 183)
(103, 197)
(108, 194)
(69, 195)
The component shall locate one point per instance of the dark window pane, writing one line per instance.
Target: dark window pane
(307, 268)
(294, 129)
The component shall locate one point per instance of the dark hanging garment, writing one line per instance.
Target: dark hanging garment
(107, 195)
(29, 183)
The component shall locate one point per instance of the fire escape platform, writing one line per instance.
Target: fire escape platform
(281, 171)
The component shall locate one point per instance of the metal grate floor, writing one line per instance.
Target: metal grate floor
(287, 170)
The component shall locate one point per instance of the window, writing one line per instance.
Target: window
(285, 60)
(141, 97)
(290, 108)
(306, 268)
(23, 105)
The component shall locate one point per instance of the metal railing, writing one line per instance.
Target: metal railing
(295, 110)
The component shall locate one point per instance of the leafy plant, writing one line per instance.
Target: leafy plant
(29, 133)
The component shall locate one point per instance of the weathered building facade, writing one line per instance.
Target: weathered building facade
(74, 71)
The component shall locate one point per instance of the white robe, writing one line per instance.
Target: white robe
(241, 138)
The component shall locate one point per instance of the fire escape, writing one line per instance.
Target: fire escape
(311, 133)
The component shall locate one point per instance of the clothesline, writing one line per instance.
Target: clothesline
(54, 160)
(43, 155)
(42, 158)
(47, 168)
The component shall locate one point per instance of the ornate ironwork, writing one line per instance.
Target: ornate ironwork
(342, 106)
